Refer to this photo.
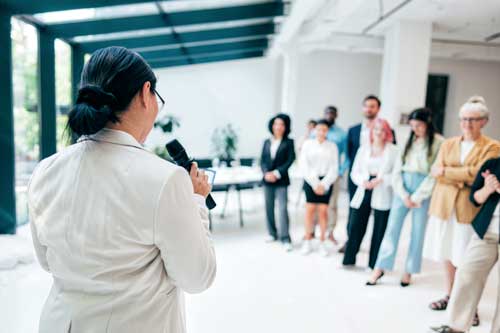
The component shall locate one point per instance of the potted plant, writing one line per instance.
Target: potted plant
(167, 124)
(225, 143)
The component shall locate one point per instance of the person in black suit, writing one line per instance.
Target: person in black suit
(481, 255)
(278, 154)
(359, 134)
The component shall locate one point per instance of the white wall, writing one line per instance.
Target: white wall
(336, 78)
(246, 93)
(206, 96)
(468, 78)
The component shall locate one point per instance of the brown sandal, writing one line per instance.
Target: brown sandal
(441, 304)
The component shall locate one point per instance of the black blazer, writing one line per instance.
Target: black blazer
(285, 155)
(353, 135)
(483, 218)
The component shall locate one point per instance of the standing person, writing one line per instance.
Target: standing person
(319, 164)
(338, 136)
(451, 212)
(412, 185)
(372, 174)
(278, 154)
(122, 231)
(358, 135)
(481, 255)
(311, 124)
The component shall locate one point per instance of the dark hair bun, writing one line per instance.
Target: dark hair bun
(92, 111)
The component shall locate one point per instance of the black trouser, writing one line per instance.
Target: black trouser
(358, 221)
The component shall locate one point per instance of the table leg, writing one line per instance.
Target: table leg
(240, 208)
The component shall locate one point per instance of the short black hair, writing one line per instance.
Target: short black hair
(373, 97)
(109, 81)
(286, 119)
(312, 121)
(331, 109)
(323, 122)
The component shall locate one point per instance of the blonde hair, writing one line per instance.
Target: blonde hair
(475, 103)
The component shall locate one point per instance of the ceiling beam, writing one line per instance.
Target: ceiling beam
(260, 44)
(104, 26)
(186, 37)
(206, 59)
(33, 7)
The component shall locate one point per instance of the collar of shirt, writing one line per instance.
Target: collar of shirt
(113, 136)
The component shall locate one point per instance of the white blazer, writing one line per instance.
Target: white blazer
(382, 194)
(123, 235)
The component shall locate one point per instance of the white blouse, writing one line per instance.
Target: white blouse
(382, 194)
(319, 160)
(123, 235)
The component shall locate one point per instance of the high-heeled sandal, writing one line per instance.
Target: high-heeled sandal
(476, 322)
(370, 283)
(440, 305)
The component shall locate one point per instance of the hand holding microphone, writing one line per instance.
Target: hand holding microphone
(200, 181)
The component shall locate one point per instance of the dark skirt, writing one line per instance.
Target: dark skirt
(312, 197)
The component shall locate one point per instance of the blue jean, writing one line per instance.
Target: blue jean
(389, 247)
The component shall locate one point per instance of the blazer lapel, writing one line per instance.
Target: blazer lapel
(280, 147)
(474, 151)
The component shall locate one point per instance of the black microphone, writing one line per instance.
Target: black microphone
(181, 158)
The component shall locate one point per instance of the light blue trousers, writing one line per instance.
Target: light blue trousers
(389, 247)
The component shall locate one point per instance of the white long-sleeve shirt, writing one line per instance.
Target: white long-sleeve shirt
(319, 160)
(123, 235)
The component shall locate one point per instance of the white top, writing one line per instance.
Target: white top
(465, 148)
(382, 194)
(275, 144)
(319, 160)
(495, 221)
(374, 164)
(123, 235)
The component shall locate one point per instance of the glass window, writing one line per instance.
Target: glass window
(63, 91)
(26, 117)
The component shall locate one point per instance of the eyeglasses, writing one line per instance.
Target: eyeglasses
(471, 120)
(161, 102)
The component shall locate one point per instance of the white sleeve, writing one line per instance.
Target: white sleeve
(333, 170)
(308, 172)
(388, 173)
(397, 179)
(40, 250)
(358, 172)
(181, 233)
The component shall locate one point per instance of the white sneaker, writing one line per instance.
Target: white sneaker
(323, 249)
(288, 246)
(270, 239)
(306, 247)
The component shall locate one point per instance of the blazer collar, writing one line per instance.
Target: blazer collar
(114, 137)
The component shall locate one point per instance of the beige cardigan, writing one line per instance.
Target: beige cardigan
(452, 190)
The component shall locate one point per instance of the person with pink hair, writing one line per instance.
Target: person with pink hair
(372, 174)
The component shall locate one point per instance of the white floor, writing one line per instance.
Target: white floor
(260, 288)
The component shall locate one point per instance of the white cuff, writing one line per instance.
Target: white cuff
(200, 200)
(277, 174)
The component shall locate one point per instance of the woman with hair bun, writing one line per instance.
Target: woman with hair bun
(412, 185)
(451, 212)
(123, 232)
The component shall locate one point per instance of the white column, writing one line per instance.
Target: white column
(404, 72)
(289, 80)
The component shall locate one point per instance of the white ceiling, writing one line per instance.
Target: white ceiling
(459, 26)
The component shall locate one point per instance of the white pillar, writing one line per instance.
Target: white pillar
(404, 72)
(289, 80)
